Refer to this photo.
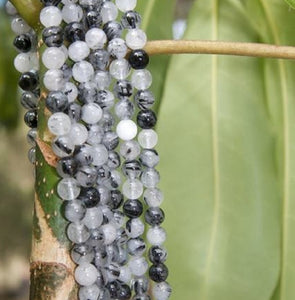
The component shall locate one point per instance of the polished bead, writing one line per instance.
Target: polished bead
(32, 155)
(72, 13)
(50, 2)
(68, 189)
(154, 216)
(102, 79)
(83, 71)
(132, 169)
(23, 43)
(120, 69)
(110, 140)
(32, 136)
(116, 199)
(10, 8)
(54, 80)
(138, 59)
(53, 36)
(50, 16)
(134, 227)
(141, 297)
(84, 154)
(103, 173)
(136, 247)
(114, 181)
(74, 32)
(131, 20)
(156, 235)
(105, 99)
(126, 5)
(123, 89)
(107, 121)
(119, 221)
(78, 133)
(100, 155)
(113, 30)
(144, 99)
(140, 285)
(99, 59)
(93, 218)
(87, 92)
(109, 232)
(66, 68)
(29, 81)
(74, 211)
(130, 150)
(31, 118)
(71, 91)
(91, 292)
(149, 158)
(74, 111)
(104, 194)
(19, 26)
(86, 274)
(25, 62)
(124, 109)
(113, 287)
(132, 189)
(114, 160)
(56, 102)
(89, 196)
(117, 48)
(78, 51)
(157, 255)
(148, 138)
(95, 38)
(86, 176)
(93, 19)
(125, 274)
(133, 208)
(136, 39)
(67, 167)
(62, 146)
(158, 272)
(109, 12)
(138, 265)
(78, 233)
(126, 130)
(59, 124)
(162, 291)
(141, 79)
(124, 292)
(150, 178)
(91, 113)
(29, 100)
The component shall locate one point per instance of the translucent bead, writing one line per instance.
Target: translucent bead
(126, 130)
(84, 154)
(78, 51)
(132, 168)
(130, 150)
(72, 13)
(126, 5)
(50, 16)
(56, 102)
(120, 69)
(32, 155)
(136, 247)
(54, 80)
(119, 221)
(99, 59)
(74, 111)
(68, 189)
(113, 30)
(19, 26)
(131, 20)
(29, 81)
(150, 178)
(83, 71)
(67, 167)
(93, 218)
(53, 58)
(133, 208)
(86, 176)
(162, 291)
(89, 196)
(29, 100)
(104, 194)
(153, 197)
(95, 38)
(134, 228)
(62, 146)
(132, 188)
(74, 32)
(149, 158)
(125, 274)
(102, 80)
(107, 121)
(114, 181)
(114, 160)
(74, 211)
(91, 113)
(136, 39)
(100, 155)
(124, 109)
(156, 236)
(89, 292)
(109, 12)
(10, 8)
(117, 48)
(138, 265)
(23, 63)
(71, 91)
(78, 134)
(112, 271)
(93, 19)
(140, 285)
(105, 99)
(31, 136)
(86, 274)
(95, 135)
(53, 36)
(59, 123)
(78, 233)
(87, 92)
(157, 255)
(148, 138)
(109, 232)
(110, 140)
(141, 79)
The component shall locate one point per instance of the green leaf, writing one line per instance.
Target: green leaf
(157, 19)
(220, 148)
(291, 3)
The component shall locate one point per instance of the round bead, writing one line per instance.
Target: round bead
(78, 134)
(105, 99)
(53, 58)
(74, 32)
(84, 154)
(158, 272)
(89, 196)
(136, 247)
(23, 63)
(146, 119)
(120, 69)
(31, 118)
(154, 216)
(136, 39)
(29, 81)
(148, 138)
(56, 101)
(91, 292)
(133, 208)
(68, 189)
(110, 140)
(123, 89)
(50, 2)
(109, 12)
(117, 48)
(134, 228)
(116, 199)
(100, 155)
(91, 113)
(29, 100)
(86, 274)
(86, 176)
(141, 79)
(23, 43)
(140, 285)
(138, 266)
(62, 146)
(132, 189)
(144, 99)
(83, 71)
(114, 160)
(113, 30)
(59, 123)
(132, 168)
(114, 181)
(138, 59)
(95, 38)
(125, 274)
(32, 155)
(131, 20)
(78, 233)
(149, 158)
(74, 211)
(102, 80)
(50, 16)
(93, 218)
(156, 236)
(72, 13)
(67, 167)
(78, 51)
(19, 26)
(150, 178)
(74, 112)
(54, 80)
(126, 130)
(126, 5)
(53, 36)
(157, 255)
(124, 109)
(162, 291)
(130, 150)
(71, 91)
(32, 136)
(109, 232)
(99, 59)
(93, 19)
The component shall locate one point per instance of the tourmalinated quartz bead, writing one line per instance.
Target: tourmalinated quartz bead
(156, 235)
(74, 211)
(23, 43)
(154, 216)
(19, 26)
(140, 285)
(148, 138)
(53, 58)
(25, 62)
(32, 136)
(109, 12)
(109, 233)
(91, 113)
(68, 189)
(92, 19)
(116, 199)
(133, 208)
(29, 81)
(124, 109)
(162, 291)
(95, 38)
(150, 177)
(62, 146)
(31, 118)
(67, 167)
(130, 150)
(123, 89)
(126, 5)
(59, 123)
(113, 30)
(105, 99)
(136, 39)
(91, 292)
(131, 20)
(141, 79)
(132, 169)
(134, 228)
(29, 100)
(71, 91)
(54, 80)
(136, 247)
(89, 196)
(53, 36)
(120, 69)
(102, 79)
(74, 112)
(138, 59)
(83, 71)
(149, 158)
(144, 99)
(117, 48)
(99, 59)
(158, 273)
(100, 155)
(132, 189)
(157, 255)
(78, 51)
(84, 154)
(78, 233)
(86, 274)
(146, 119)
(114, 160)
(86, 176)
(74, 32)
(110, 140)
(138, 266)
(93, 218)
(78, 133)
(72, 13)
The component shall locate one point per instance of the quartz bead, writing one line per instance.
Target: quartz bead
(86, 274)
(74, 211)
(74, 32)
(124, 109)
(112, 271)
(53, 58)
(114, 160)
(102, 79)
(113, 30)
(134, 228)
(141, 79)
(146, 119)
(67, 167)
(95, 38)
(53, 36)
(105, 99)
(126, 5)
(32, 155)
(72, 13)
(78, 51)
(54, 80)
(131, 20)
(125, 274)
(119, 221)
(114, 181)
(93, 217)
(117, 48)
(136, 39)
(71, 91)
(96, 238)
(100, 155)
(113, 287)
(29, 81)
(138, 266)
(89, 196)
(110, 140)
(132, 189)
(162, 291)
(86, 176)
(59, 124)
(126, 130)
(29, 100)
(133, 208)
(149, 158)
(74, 112)
(148, 138)
(144, 99)
(124, 292)
(109, 12)
(130, 150)
(56, 102)
(123, 89)
(93, 19)
(154, 216)
(99, 59)
(116, 199)
(104, 194)
(50, 2)
(23, 63)
(91, 113)
(91, 292)
(62, 146)
(78, 134)
(153, 197)
(140, 285)
(136, 247)
(156, 235)
(68, 189)
(150, 178)
(83, 71)
(141, 297)
(19, 26)
(132, 169)
(23, 43)
(50, 16)
(31, 118)
(31, 136)
(119, 69)
(66, 69)
(103, 173)
(109, 232)
(78, 233)
(138, 59)
(157, 255)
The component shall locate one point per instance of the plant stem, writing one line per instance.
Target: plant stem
(219, 47)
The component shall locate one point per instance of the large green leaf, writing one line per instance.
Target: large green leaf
(221, 148)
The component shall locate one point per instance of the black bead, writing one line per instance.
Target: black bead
(29, 81)
(83, 154)
(138, 59)
(74, 32)
(112, 30)
(89, 196)
(146, 119)
(53, 36)
(157, 254)
(131, 20)
(23, 43)
(57, 102)
(124, 292)
(93, 19)
(123, 88)
(31, 118)
(67, 167)
(29, 100)
(50, 2)
(114, 160)
(144, 99)
(133, 208)
(158, 272)
(154, 216)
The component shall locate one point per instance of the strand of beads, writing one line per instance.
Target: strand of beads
(26, 62)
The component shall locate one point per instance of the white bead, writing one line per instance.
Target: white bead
(71, 91)
(117, 48)
(132, 188)
(153, 197)
(141, 79)
(125, 274)
(83, 71)
(109, 233)
(53, 58)
(19, 26)
(138, 265)
(93, 218)
(78, 233)
(100, 155)
(102, 80)
(50, 16)
(68, 188)
(91, 292)
(23, 63)
(126, 130)
(162, 291)
(72, 13)
(95, 38)
(120, 69)
(109, 12)
(78, 51)
(59, 123)
(148, 138)
(54, 80)
(78, 134)
(126, 5)
(156, 236)
(136, 39)
(86, 274)
(91, 113)
(65, 51)
(135, 228)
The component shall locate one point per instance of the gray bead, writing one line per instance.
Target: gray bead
(114, 181)
(99, 59)
(130, 150)
(107, 121)
(105, 99)
(112, 271)
(110, 140)
(123, 89)
(140, 285)
(103, 174)
(84, 154)
(95, 134)
(114, 160)
(31, 136)
(86, 176)
(29, 100)
(74, 112)
(62, 146)
(96, 238)
(87, 92)
(149, 158)
(113, 30)
(131, 20)
(144, 99)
